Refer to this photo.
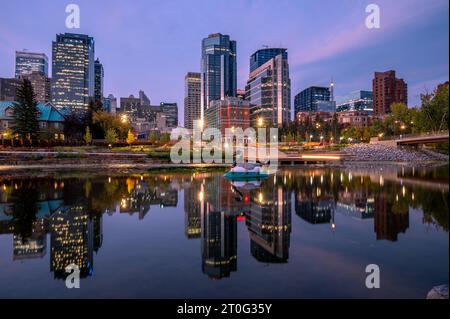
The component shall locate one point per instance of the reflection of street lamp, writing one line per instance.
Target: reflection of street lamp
(260, 121)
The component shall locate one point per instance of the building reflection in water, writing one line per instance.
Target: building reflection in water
(218, 228)
(71, 214)
(269, 223)
(70, 211)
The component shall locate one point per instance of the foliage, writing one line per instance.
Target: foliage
(130, 137)
(165, 138)
(107, 121)
(111, 136)
(25, 112)
(88, 136)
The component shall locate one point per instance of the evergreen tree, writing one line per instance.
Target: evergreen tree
(26, 113)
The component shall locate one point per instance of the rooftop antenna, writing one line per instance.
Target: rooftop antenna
(332, 90)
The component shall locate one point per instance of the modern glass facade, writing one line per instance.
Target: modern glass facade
(269, 92)
(218, 69)
(27, 62)
(98, 80)
(73, 70)
(262, 56)
(170, 111)
(192, 88)
(355, 101)
(307, 100)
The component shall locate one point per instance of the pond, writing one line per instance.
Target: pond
(301, 233)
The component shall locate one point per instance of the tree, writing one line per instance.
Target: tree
(25, 112)
(107, 121)
(88, 136)
(335, 128)
(153, 137)
(435, 108)
(111, 136)
(130, 137)
(74, 126)
(165, 138)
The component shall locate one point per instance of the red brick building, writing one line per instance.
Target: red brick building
(387, 89)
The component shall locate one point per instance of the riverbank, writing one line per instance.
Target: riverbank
(358, 156)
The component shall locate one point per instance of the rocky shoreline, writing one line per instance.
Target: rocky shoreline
(385, 153)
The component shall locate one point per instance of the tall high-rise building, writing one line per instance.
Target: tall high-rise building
(387, 89)
(143, 99)
(170, 111)
(73, 71)
(8, 88)
(41, 85)
(314, 99)
(98, 80)
(262, 56)
(110, 104)
(218, 69)
(192, 95)
(269, 89)
(27, 62)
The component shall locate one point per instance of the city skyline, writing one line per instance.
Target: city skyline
(413, 42)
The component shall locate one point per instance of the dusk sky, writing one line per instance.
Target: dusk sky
(150, 45)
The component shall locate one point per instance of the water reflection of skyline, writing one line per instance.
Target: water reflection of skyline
(69, 212)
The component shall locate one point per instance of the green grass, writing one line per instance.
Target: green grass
(66, 155)
(37, 157)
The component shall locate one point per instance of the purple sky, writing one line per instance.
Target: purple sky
(151, 44)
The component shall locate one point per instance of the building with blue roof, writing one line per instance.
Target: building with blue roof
(50, 118)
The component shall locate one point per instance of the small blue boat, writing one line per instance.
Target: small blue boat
(246, 172)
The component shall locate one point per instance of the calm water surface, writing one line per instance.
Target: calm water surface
(303, 233)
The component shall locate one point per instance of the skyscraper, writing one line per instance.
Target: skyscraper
(72, 70)
(27, 62)
(269, 88)
(218, 68)
(98, 80)
(41, 85)
(312, 100)
(170, 111)
(262, 56)
(192, 95)
(8, 88)
(387, 89)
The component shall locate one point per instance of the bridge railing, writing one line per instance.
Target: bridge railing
(407, 136)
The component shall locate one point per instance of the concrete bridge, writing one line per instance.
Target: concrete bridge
(416, 140)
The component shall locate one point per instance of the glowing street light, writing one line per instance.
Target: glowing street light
(260, 121)
(124, 118)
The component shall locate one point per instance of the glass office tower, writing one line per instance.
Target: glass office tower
(73, 71)
(28, 62)
(218, 69)
(310, 99)
(262, 56)
(269, 89)
(98, 80)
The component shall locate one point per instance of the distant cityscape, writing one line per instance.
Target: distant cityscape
(211, 95)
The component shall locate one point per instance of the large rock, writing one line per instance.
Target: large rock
(438, 292)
